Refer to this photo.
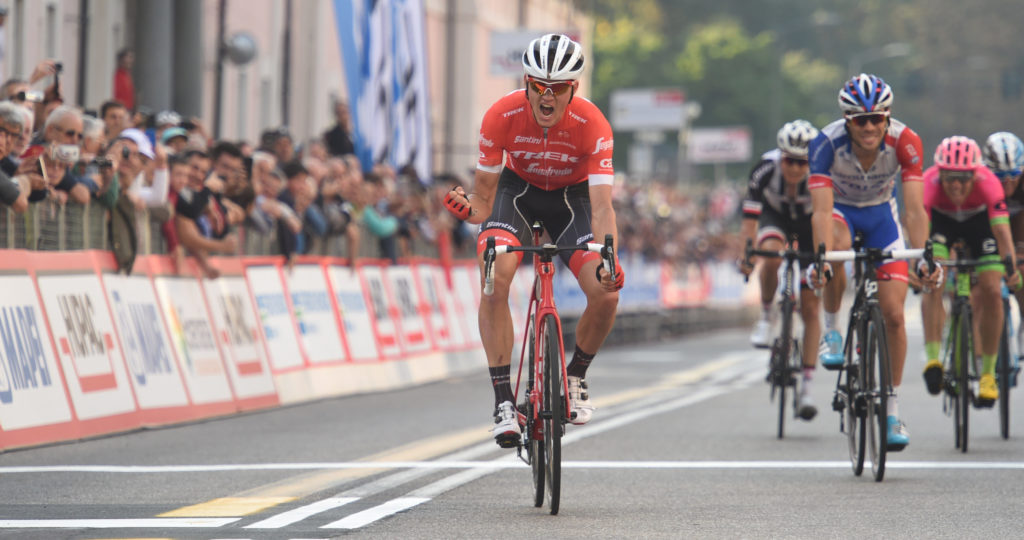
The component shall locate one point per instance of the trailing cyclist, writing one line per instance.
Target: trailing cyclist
(965, 202)
(777, 206)
(1003, 154)
(559, 172)
(854, 165)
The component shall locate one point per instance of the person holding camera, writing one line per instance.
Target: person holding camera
(62, 135)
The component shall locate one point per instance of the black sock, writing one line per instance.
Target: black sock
(580, 363)
(501, 379)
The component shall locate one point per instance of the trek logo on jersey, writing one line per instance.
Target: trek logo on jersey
(529, 140)
(577, 117)
(513, 112)
(486, 142)
(603, 145)
(552, 156)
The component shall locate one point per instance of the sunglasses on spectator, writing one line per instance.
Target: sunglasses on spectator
(863, 119)
(961, 177)
(72, 133)
(10, 133)
(557, 88)
(792, 161)
(1005, 176)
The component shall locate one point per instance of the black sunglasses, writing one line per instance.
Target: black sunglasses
(863, 119)
(794, 161)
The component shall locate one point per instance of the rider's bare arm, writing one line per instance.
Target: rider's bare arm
(485, 184)
(603, 219)
(917, 219)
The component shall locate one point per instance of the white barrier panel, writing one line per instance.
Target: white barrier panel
(278, 328)
(83, 330)
(458, 336)
(314, 314)
(194, 342)
(407, 298)
(31, 389)
(384, 325)
(234, 316)
(147, 351)
(431, 287)
(465, 283)
(354, 313)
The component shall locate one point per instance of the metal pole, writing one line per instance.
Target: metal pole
(218, 78)
(83, 49)
(286, 62)
(449, 75)
(153, 40)
(188, 57)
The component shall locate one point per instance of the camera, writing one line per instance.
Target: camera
(35, 96)
(126, 152)
(188, 125)
(58, 67)
(65, 153)
(102, 163)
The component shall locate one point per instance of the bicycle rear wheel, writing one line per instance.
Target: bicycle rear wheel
(554, 416)
(1003, 372)
(536, 444)
(780, 361)
(854, 410)
(877, 388)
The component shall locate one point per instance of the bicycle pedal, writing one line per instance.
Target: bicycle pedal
(508, 440)
(984, 403)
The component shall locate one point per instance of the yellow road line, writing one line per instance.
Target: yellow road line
(269, 495)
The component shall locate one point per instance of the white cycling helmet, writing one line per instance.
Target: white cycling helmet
(1004, 153)
(795, 136)
(553, 57)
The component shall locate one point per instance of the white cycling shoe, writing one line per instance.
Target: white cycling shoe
(507, 432)
(579, 401)
(760, 337)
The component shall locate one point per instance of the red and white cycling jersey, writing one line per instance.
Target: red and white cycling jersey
(833, 164)
(577, 148)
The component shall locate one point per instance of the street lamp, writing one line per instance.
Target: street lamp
(889, 50)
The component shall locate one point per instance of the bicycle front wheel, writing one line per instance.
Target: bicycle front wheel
(554, 403)
(1003, 373)
(536, 444)
(780, 360)
(963, 355)
(854, 404)
(877, 388)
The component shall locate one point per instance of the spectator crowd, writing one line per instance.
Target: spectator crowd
(124, 179)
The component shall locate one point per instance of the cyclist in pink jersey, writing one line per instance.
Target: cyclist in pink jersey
(965, 202)
(545, 155)
(854, 164)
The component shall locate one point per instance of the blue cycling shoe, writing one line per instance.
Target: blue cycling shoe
(898, 437)
(830, 353)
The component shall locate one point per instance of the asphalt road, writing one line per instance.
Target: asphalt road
(682, 446)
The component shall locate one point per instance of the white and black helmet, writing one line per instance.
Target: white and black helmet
(795, 136)
(1004, 153)
(553, 57)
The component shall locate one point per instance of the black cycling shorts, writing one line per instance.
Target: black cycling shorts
(976, 233)
(772, 224)
(565, 214)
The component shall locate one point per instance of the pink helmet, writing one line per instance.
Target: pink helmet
(958, 153)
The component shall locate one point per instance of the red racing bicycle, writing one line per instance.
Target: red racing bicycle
(546, 408)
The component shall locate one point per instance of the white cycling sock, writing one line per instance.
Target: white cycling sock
(893, 405)
(830, 321)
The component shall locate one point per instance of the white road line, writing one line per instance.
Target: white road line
(503, 463)
(142, 523)
(360, 519)
(298, 514)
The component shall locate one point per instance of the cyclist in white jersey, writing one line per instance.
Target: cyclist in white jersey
(1003, 154)
(854, 165)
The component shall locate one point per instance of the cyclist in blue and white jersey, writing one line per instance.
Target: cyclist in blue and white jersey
(1003, 154)
(777, 206)
(855, 163)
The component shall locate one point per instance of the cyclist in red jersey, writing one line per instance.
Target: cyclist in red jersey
(545, 155)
